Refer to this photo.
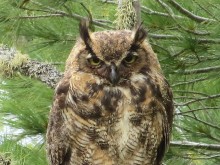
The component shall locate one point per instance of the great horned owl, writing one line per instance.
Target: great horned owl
(113, 105)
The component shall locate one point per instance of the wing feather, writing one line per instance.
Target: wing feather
(57, 147)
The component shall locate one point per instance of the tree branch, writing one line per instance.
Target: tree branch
(201, 157)
(203, 122)
(191, 92)
(188, 13)
(199, 99)
(11, 60)
(176, 37)
(149, 11)
(190, 82)
(166, 7)
(205, 9)
(39, 16)
(45, 72)
(198, 109)
(152, 12)
(164, 36)
(189, 144)
(63, 13)
(202, 70)
(58, 13)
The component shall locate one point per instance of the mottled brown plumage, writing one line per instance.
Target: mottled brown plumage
(113, 106)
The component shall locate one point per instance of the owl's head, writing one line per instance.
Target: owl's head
(113, 56)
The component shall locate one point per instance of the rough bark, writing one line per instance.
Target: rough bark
(12, 61)
(45, 72)
(4, 159)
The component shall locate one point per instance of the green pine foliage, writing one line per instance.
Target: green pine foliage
(187, 45)
(26, 105)
(16, 154)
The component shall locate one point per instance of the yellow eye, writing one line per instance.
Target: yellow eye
(130, 59)
(94, 61)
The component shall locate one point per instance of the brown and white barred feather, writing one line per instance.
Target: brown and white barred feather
(100, 120)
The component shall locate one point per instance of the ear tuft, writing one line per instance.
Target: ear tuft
(84, 32)
(139, 35)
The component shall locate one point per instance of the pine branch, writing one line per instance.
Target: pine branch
(170, 12)
(152, 12)
(191, 92)
(189, 144)
(199, 99)
(190, 82)
(189, 14)
(207, 41)
(198, 71)
(172, 15)
(149, 11)
(39, 16)
(46, 73)
(164, 36)
(211, 156)
(205, 9)
(176, 37)
(55, 12)
(198, 109)
(166, 7)
(203, 122)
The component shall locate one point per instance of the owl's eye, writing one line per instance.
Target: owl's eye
(131, 58)
(94, 61)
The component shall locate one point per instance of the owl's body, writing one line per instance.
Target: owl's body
(113, 106)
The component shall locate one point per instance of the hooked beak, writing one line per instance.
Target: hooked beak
(114, 75)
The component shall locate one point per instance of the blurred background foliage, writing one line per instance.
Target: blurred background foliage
(184, 34)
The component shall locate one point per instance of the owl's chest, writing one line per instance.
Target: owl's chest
(90, 98)
(108, 106)
(119, 110)
(111, 119)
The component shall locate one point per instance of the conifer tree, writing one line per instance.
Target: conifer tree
(40, 34)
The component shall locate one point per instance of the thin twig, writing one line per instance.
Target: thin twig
(87, 10)
(204, 122)
(166, 7)
(171, 14)
(164, 36)
(62, 13)
(207, 41)
(195, 145)
(149, 11)
(198, 109)
(193, 157)
(184, 97)
(199, 33)
(199, 99)
(205, 9)
(190, 82)
(189, 14)
(152, 12)
(198, 71)
(39, 16)
(191, 92)
(160, 47)
(179, 53)
(193, 132)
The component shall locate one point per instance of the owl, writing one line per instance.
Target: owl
(113, 105)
